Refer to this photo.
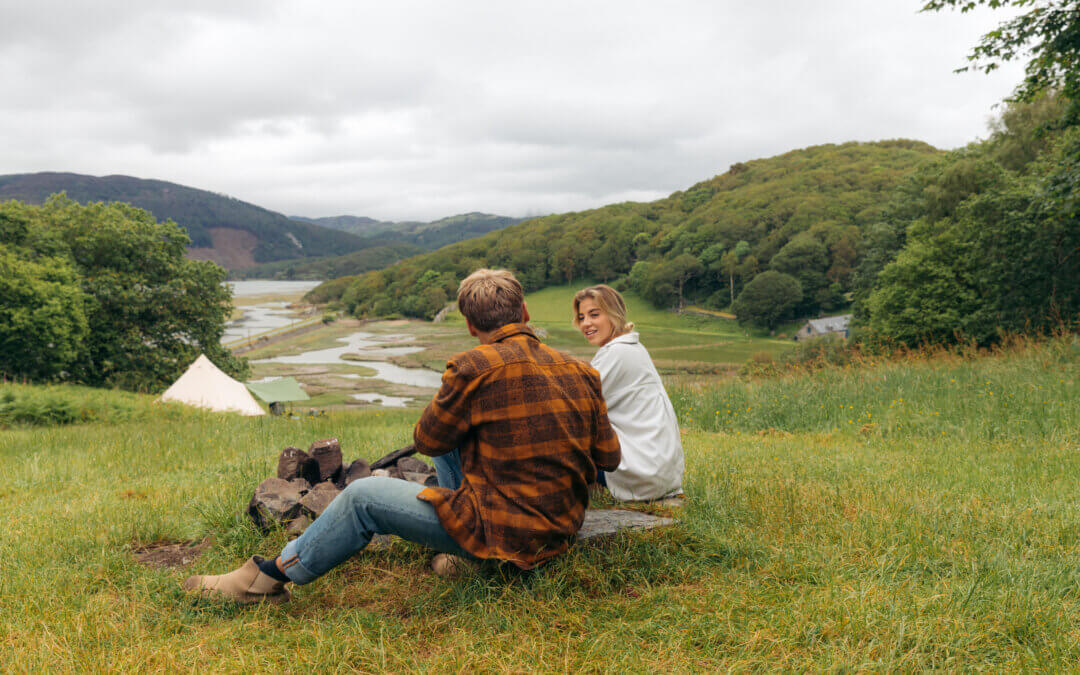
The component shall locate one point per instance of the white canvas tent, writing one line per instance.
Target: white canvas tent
(205, 386)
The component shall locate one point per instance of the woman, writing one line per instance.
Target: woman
(638, 407)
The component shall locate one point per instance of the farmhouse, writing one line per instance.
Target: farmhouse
(825, 325)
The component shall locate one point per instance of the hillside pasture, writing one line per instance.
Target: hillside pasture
(940, 533)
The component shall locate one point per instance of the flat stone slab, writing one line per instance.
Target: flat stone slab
(606, 522)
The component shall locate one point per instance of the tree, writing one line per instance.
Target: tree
(641, 245)
(768, 299)
(1049, 33)
(150, 310)
(606, 261)
(711, 259)
(42, 317)
(1008, 261)
(684, 268)
(730, 264)
(927, 294)
(806, 259)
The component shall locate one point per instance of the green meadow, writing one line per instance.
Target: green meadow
(904, 515)
(677, 342)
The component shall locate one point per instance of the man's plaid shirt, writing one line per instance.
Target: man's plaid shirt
(532, 429)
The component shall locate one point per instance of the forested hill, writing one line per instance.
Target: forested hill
(427, 235)
(801, 214)
(231, 232)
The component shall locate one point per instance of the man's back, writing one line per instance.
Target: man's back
(532, 429)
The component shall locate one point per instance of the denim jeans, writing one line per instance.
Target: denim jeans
(370, 506)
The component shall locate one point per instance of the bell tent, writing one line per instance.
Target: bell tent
(203, 385)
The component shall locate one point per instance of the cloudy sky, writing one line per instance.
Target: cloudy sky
(418, 110)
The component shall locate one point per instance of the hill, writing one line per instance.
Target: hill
(428, 235)
(233, 233)
(379, 254)
(387, 243)
(802, 213)
(359, 225)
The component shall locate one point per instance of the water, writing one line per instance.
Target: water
(243, 289)
(370, 345)
(265, 316)
(258, 319)
(384, 400)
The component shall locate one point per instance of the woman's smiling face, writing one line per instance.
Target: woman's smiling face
(594, 323)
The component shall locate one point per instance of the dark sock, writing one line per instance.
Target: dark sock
(270, 569)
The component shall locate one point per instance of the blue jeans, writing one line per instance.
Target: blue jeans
(370, 506)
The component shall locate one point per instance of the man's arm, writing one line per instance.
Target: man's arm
(445, 421)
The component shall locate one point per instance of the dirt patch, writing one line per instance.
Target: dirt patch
(233, 249)
(169, 553)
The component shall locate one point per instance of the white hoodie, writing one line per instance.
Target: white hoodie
(644, 420)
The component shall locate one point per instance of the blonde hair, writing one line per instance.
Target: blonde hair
(490, 299)
(609, 301)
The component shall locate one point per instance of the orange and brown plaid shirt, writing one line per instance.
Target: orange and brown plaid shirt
(532, 429)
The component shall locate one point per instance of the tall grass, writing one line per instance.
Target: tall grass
(1023, 391)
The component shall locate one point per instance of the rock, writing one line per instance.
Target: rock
(298, 525)
(407, 464)
(425, 479)
(357, 470)
(396, 472)
(316, 501)
(606, 522)
(275, 501)
(381, 473)
(327, 453)
(302, 485)
(393, 457)
(295, 463)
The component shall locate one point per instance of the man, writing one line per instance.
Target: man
(517, 433)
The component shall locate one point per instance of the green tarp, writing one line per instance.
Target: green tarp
(277, 391)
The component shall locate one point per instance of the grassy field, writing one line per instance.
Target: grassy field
(919, 514)
(677, 342)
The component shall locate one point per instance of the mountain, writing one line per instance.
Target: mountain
(428, 235)
(804, 214)
(379, 255)
(360, 225)
(233, 233)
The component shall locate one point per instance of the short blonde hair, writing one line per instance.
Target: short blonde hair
(609, 301)
(490, 299)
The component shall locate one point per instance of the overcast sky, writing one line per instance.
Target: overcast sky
(417, 110)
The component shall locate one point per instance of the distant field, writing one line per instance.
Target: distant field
(675, 341)
(906, 516)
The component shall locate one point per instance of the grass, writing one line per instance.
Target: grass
(677, 342)
(807, 542)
